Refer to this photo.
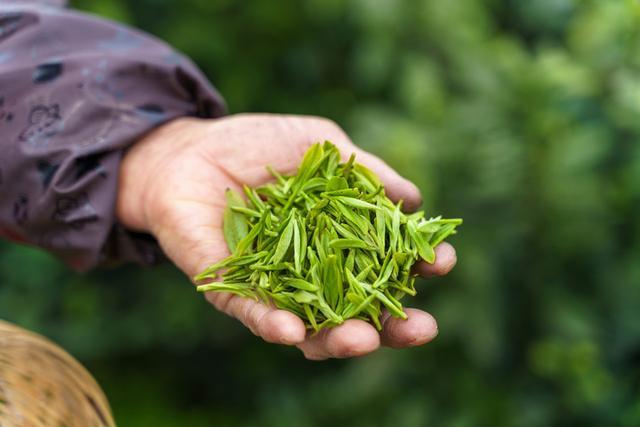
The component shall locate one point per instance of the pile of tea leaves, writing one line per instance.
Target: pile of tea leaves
(326, 244)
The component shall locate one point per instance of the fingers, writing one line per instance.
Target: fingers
(272, 325)
(445, 261)
(352, 338)
(418, 329)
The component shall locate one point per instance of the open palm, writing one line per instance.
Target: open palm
(172, 184)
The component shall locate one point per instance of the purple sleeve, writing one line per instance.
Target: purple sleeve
(75, 91)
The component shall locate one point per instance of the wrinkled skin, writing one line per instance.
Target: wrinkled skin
(172, 185)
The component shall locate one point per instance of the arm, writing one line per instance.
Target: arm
(78, 91)
(75, 92)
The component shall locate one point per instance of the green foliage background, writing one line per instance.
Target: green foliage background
(523, 117)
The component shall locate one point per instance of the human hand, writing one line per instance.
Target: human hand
(172, 185)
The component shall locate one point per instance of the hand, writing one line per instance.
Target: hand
(172, 185)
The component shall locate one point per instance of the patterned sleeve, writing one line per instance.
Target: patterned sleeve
(75, 91)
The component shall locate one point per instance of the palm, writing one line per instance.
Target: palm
(187, 210)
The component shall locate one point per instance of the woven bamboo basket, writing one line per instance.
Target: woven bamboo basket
(41, 385)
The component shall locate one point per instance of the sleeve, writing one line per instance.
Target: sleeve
(75, 91)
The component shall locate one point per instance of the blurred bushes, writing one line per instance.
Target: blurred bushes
(521, 117)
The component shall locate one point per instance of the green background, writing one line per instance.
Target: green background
(522, 117)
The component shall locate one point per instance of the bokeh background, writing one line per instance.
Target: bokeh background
(522, 117)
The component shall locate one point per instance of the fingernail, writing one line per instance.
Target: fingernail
(289, 340)
(424, 338)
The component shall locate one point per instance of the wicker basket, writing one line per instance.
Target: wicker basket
(42, 385)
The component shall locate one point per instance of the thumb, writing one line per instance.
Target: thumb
(190, 234)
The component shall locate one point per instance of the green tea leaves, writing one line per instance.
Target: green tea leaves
(302, 285)
(297, 245)
(285, 241)
(336, 183)
(325, 244)
(425, 250)
(356, 203)
(349, 243)
(235, 224)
